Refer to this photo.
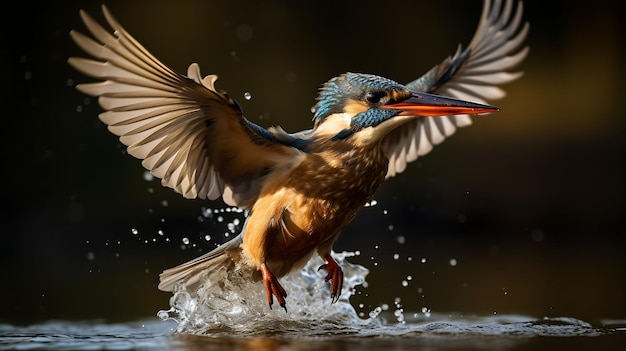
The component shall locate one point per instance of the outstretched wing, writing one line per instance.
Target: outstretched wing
(472, 74)
(186, 132)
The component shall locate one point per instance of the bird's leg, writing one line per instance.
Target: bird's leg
(335, 275)
(273, 288)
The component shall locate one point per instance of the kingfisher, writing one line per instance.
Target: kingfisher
(299, 189)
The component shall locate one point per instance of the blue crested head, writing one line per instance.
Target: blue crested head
(353, 102)
(336, 94)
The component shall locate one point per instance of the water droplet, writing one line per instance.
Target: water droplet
(134, 231)
(91, 256)
(164, 203)
(207, 212)
(247, 96)
(390, 227)
(207, 237)
(401, 239)
(367, 204)
(160, 232)
(186, 241)
(147, 176)
(164, 315)
(396, 256)
(375, 312)
(423, 260)
(453, 262)
(405, 283)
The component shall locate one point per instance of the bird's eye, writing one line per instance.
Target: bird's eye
(374, 98)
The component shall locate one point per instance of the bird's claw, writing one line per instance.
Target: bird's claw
(335, 276)
(273, 288)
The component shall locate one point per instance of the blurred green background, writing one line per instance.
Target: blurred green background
(528, 202)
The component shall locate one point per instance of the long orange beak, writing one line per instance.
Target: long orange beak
(429, 105)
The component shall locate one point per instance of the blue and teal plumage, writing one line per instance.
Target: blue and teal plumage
(335, 93)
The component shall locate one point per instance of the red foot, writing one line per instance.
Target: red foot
(273, 288)
(335, 275)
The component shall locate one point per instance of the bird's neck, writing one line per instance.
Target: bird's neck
(348, 149)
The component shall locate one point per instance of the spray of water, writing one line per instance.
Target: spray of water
(237, 304)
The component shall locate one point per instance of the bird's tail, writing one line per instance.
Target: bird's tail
(193, 273)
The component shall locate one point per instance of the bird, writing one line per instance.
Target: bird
(300, 189)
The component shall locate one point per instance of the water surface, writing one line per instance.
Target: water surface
(234, 315)
(439, 333)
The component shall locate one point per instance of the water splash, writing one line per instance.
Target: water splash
(239, 305)
(237, 308)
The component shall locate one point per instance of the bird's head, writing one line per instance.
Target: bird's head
(367, 107)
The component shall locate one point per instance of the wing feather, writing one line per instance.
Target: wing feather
(192, 137)
(472, 74)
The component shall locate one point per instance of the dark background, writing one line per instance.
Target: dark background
(529, 201)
